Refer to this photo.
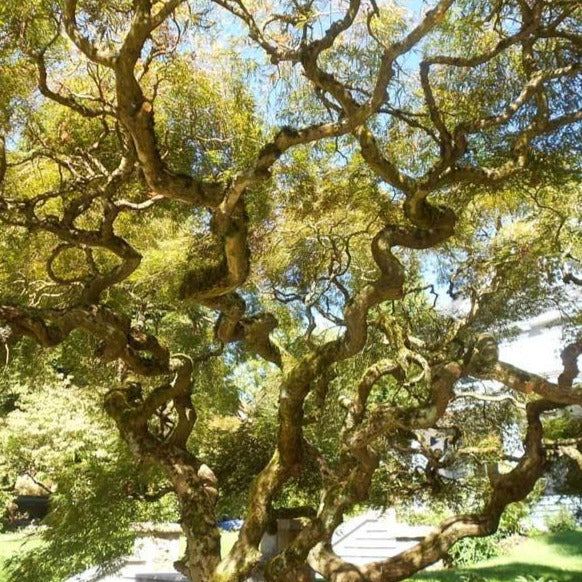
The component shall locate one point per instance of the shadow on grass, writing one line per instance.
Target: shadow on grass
(568, 543)
(506, 573)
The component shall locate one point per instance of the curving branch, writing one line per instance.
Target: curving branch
(90, 49)
(527, 383)
(50, 327)
(572, 448)
(483, 363)
(452, 149)
(65, 100)
(569, 356)
(433, 225)
(387, 170)
(530, 89)
(256, 33)
(454, 141)
(2, 161)
(491, 398)
(95, 283)
(430, 20)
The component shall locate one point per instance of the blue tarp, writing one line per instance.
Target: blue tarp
(230, 524)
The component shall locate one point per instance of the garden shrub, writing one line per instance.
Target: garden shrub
(562, 521)
(468, 551)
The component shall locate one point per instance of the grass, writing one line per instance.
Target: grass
(551, 557)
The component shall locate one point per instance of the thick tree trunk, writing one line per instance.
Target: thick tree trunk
(195, 488)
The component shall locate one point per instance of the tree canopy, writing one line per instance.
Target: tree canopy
(277, 244)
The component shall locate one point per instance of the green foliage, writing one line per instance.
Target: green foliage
(514, 517)
(241, 453)
(565, 426)
(551, 557)
(237, 451)
(210, 122)
(469, 551)
(89, 522)
(49, 432)
(563, 521)
(565, 472)
(61, 438)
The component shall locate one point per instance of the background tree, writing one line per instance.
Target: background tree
(260, 205)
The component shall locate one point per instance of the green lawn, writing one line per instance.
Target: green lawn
(551, 557)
